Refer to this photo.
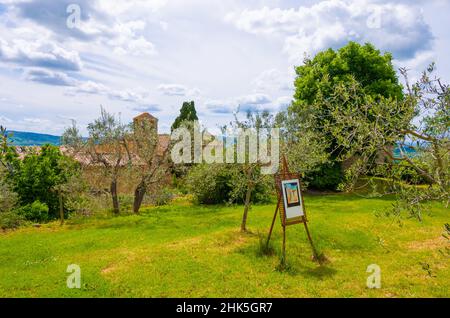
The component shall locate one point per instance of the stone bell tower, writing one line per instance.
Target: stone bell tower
(146, 118)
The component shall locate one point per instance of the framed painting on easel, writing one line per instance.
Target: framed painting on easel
(290, 198)
(293, 203)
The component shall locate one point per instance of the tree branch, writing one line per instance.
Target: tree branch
(419, 135)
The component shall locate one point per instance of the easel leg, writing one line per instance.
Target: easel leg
(283, 259)
(316, 255)
(273, 224)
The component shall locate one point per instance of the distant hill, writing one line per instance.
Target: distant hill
(408, 151)
(20, 138)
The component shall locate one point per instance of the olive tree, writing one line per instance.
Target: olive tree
(364, 126)
(247, 174)
(104, 148)
(148, 156)
(305, 149)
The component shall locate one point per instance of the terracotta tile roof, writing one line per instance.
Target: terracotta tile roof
(107, 152)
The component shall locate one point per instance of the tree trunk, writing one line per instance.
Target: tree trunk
(139, 194)
(246, 208)
(61, 208)
(115, 198)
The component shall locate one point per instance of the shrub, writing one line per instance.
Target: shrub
(213, 184)
(209, 183)
(87, 205)
(79, 205)
(126, 202)
(180, 184)
(8, 198)
(327, 177)
(162, 197)
(10, 220)
(36, 212)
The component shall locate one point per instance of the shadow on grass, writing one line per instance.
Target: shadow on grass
(264, 249)
(319, 272)
(124, 224)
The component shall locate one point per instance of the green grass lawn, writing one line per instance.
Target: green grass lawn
(189, 251)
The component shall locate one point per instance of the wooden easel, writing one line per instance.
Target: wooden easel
(286, 175)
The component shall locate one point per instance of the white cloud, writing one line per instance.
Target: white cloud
(164, 25)
(281, 103)
(399, 28)
(138, 47)
(34, 120)
(136, 95)
(273, 79)
(127, 40)
(254, 99)
(4, 120)
(105, 23)
(173, 89)
(88, 87)
(250, 102)
(39, 52)
(416, 65)
(121, 7)
(146, 108)
(78, 87)
(178, 90)
(220, 106)
(37, 124)
(49, 77)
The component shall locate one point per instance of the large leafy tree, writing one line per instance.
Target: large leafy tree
(188, 113)
(317, 79)
(39, 176)
(371, 69)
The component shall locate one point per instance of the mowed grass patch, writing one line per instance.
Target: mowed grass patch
(182, 250)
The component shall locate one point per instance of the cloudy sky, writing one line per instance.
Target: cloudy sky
(151, 55)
